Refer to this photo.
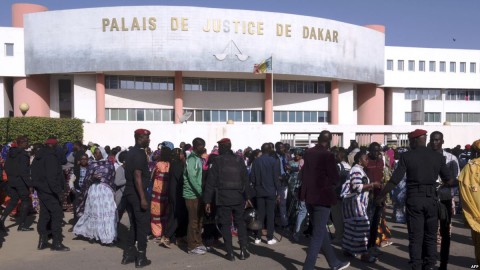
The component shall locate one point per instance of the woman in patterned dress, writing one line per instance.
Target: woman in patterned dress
(355, 202)
(159, 205)
(97, 209)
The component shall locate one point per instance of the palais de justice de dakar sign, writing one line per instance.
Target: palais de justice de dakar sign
(160, 38)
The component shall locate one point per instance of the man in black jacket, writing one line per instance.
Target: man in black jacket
(228, 181)
(48, 180)
(17, 167)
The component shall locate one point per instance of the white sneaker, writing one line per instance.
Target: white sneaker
(272, 242)
(257, 241)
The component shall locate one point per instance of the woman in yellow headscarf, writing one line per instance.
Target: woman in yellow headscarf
(469, 185)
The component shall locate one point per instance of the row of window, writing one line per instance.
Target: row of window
(463, 94)
(432, 66)
(8, 49)
(138, 114)
(451, 117)
(301, 116)
(139, 83)
(312, 87)
(436, 94)
(225, 115)
(222, 85)
(429, 117)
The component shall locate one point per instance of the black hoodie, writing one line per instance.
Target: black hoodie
(47, 175)
(17, 167)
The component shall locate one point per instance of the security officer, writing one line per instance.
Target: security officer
(445, 197)
(227, 181)
(48, 179)
(422, 167)
(138, 178)
(17, 167)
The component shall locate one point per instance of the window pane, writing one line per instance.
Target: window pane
(157, 115)
(127, 82)
(452, 66)
(421, 65)
(132, 115)
(203, 84)
(138, 83)
(473, 67)
(283, 116)
(463, 67)
(114, 114)
(198, 115)
(309, 87)
(207, 116)
(211, 85)
(155, 83)
(411, 65)
(400, 65)
(167, 115)
(306, 117)
(122, 114)
(246, 116)
(253, 86)
(163, 84)
(140, 115)
(291, 117)
(223, 116)
(254, 115)
(408, 117)
(234, 85)
(238, 116)
(298, 117)
(222, 85)
(389, 64)
(8, 49)
(231, 115)
(299, 86)
(241, 86)
(195, 85)
(215, 116)
(442, 66)
(147, 83)
(149, 115)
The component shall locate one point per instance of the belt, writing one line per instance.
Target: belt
(421, 190)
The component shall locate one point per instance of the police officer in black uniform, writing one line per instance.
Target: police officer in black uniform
(227, 182)
(17, 167)
(138, 178)
(422, 166)
(48, 180)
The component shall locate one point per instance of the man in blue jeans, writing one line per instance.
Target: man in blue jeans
(320, 177)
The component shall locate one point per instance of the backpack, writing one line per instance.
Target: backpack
(344, 175)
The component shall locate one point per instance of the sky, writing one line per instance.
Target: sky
(411, 23)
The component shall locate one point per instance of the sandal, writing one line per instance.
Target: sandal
(368, 258)
(386, 244)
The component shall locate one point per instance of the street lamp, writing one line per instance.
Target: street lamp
(24, 107)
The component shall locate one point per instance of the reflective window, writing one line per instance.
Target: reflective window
(9, 49)
(389, 64)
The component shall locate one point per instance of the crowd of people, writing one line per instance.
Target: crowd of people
(190, 197)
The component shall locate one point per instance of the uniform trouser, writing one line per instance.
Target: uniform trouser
(320, 240)
(301, 215)
(337, 219)
(266, 207)
(224, 214)
(195, 223)
(19, 192)
(140, 224)
(445, 232)
(422, 224)
(51, 211)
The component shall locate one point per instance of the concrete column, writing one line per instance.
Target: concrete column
(334, 113)
(35, 91)
(18, 10)
(268, 108)
(178, 95)
(100, 98)
(388, 106)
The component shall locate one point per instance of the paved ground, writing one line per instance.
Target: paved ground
(18, 251)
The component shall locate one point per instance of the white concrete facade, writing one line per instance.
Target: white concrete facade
(121, 41)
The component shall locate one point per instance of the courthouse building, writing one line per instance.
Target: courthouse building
(184, 72)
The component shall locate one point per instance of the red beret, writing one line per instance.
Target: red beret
(51, 141)
(417, 133)
(142, 131)
(224, 140)
(467, 146)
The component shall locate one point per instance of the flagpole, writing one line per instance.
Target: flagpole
(271, 85)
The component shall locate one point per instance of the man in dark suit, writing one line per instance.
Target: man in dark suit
(320, 177)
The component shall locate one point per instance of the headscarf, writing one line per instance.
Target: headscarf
(476, 146)
(168, 144)
(69, 148)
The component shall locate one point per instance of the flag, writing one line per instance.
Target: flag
(264, 67)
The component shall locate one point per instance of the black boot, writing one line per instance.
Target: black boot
(129, 255)
(443, 266)
(58, 246)
(42, 242)
(244, 253)
(2, 223)
(23, 228)
(142, 260)
(230, 257)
